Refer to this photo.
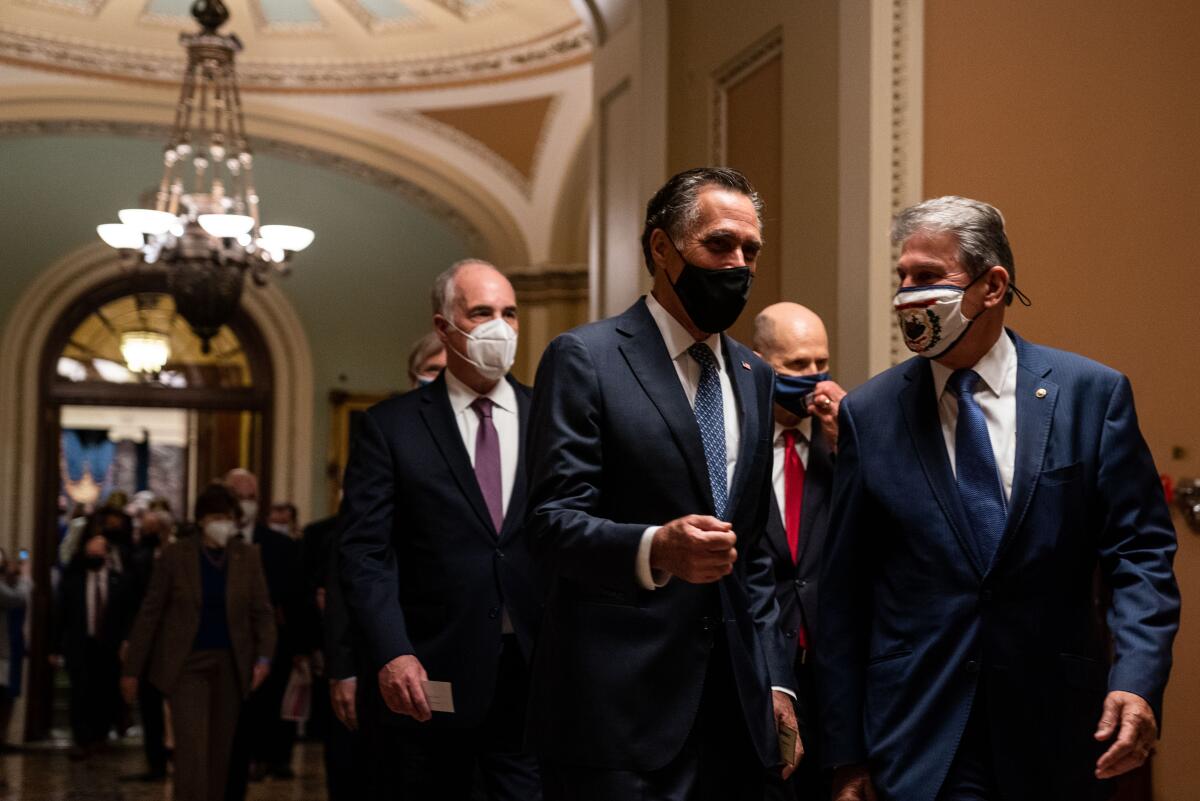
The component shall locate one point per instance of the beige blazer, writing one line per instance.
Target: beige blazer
(166, 625)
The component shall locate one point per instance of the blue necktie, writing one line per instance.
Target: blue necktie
(978, 479)
(710, 415)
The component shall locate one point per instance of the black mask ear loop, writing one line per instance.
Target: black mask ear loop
(1019, 295)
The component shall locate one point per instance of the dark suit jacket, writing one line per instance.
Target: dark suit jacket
(283, 568)
(423, 569)
(913, 624)
(71, 613)
(614, 448)
(796, 583)
(166, 626)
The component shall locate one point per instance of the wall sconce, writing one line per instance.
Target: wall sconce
(1187, 498)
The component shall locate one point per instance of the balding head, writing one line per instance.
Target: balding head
(242, 483)
(792, 339)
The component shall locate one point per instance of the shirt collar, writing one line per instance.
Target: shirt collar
(804, 427)
(993, 368)
(676, 337)
(462, 396)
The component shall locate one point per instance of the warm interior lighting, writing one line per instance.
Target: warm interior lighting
(145, 351)
(287, 237)
(119, 235)
(148, 221)
(226, 226)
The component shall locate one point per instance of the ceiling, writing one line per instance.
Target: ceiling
(314, 45)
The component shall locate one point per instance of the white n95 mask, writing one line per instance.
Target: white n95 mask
(491, 348)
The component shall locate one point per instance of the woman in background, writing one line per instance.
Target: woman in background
(207, 631)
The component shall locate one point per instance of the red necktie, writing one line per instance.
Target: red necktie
(793, 503)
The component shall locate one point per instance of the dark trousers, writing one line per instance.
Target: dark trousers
(718, 761)
(205, 705)
(150, 707)
(443, 764)
(274, 738)
(808, 780)
(95, 698)
(972, 775)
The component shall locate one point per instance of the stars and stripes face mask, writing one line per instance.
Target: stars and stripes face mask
(930, 317)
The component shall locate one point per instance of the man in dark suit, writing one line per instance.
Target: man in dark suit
(792, 340)
(650, 453)
(93, 616)
(989, 499)
(435, 565)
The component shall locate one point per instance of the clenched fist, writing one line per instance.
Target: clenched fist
(697, 548)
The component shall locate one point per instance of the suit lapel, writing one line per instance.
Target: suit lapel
(817, 481)
(515, 514)
(744, 392)
(1034, 418)
(647, 356)
(439, 418)
(919, 406)
(777, 530)
(191, 572)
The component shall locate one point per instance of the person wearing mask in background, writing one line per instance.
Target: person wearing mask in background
(15, 589)
(262, 732)
(284, 519)
(92, 617)
(991, 498)
(203, 636)
(434, 562)
(792, 340)
(155, 532)
(426, 360)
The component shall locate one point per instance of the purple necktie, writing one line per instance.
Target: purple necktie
(487, 461)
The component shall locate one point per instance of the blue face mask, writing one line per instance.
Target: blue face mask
(792, 391)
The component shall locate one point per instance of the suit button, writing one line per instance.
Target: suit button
(791, 634)
(801, 583)
(494, 612)
(499, 554)
(972, 666)
(985, 596)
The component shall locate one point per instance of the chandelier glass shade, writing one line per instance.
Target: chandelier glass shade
(145, 351)
(204, 229)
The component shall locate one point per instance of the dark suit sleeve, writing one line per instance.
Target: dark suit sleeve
(844, 618)
(262, 615)
(1137, 548)
(149, 617)
(565, 464)
(339, 652)
(368, 560)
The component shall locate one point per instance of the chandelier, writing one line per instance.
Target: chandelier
(204, 228)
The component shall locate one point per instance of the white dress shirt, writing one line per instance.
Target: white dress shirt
(95, 578)
(996, 394)
(504, 416)
(803, 443)
(677, 340)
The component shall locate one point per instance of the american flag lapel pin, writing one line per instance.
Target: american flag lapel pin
(746, 365)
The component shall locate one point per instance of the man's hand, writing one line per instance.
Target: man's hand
(826, 400)
(785, 717)
(1130, 718)
(129, 688)
(853, 783)
(402, 688)
(696, 548)
(262, 669)
(341, 696)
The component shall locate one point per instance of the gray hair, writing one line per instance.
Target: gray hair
(675, 208)
(977, 226)
(442, 296)
(422, 349)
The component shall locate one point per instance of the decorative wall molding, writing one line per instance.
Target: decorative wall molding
(302, 154)
(907, 109)
(550, 283)
(563, 48)
(732, 73)
(25, 336)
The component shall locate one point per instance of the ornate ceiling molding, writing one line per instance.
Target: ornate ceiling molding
(353, 168)
(559, 49)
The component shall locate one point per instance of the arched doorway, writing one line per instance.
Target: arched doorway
(106, 426)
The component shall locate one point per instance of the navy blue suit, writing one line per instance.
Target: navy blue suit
(424, 572)
(915, 630)
(614, 448)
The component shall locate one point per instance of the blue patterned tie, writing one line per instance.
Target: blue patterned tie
(710, 415)
(975, 464)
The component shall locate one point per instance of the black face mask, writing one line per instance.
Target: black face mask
(93, 562)
(150, 540)
(712, 298)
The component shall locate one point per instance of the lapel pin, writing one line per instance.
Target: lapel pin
(1041, 393)
(746, 365)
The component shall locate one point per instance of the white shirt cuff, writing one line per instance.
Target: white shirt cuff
(648, 578)
(785, 691)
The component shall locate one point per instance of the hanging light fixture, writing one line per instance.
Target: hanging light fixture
(145, 351)
(205, 227)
